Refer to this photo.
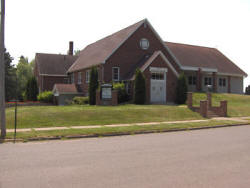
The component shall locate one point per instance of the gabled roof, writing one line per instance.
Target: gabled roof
(65, 88)
(96, 53)
(203, 57)
(54, 64)
(146, 61)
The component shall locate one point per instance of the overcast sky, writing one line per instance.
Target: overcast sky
(48, 25)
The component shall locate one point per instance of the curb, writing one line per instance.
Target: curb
(118, 134)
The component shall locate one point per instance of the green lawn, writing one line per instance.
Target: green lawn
(51, 116)
(238, 105)
(117, 130)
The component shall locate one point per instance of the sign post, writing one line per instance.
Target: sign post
(2, 72)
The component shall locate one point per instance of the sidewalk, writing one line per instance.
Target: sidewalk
(241, 119)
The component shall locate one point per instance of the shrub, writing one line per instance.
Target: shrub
(247, 90)
(122, 93)
(31, 90)
(181, 89)
(46, 96)
(139, 88)
(93, 85)
(81, 100)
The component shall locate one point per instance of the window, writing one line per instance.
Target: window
(72, 78)
(157, 76)
(144, 44)
(87, 75)
(79, 77)
(222, 82)
(192, 80)
(115, 73)
(208, 81)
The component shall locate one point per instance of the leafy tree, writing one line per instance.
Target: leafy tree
(139, 88)
(10, 77)
(93, 85)
(181, 89)
(31, 91)
(247, 90)
(77, 52)
(24, 73)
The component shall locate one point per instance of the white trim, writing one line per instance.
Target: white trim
(230, 74)
(87, 75)
(123, 42)
(203, 69)
(166, 61)
(157, 69)
(61, 75)
(118, 74)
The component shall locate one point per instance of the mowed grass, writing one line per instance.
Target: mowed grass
(238, 105)
(53, 116)
(56, 116)
(25, 136)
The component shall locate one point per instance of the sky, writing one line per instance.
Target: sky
(47, 26)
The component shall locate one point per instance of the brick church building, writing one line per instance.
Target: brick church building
(117, 56)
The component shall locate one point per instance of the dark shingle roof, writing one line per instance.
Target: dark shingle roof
(198, 56)
(54, 64)
(96, 53)
(65, 88)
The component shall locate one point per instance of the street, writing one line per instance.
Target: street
(203, 158)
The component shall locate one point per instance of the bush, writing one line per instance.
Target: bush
(93, 85)
(81, 100)
(247, 90)
(122, 93)
(181, 89)
(46, 96)
(31, 90)
(139, 88)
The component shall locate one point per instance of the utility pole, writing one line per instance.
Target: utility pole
(2, 72)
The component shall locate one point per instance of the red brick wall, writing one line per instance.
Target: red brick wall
(170, 83)
(130, 53)
(47, 82)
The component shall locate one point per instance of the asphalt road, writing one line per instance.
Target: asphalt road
(203, 158)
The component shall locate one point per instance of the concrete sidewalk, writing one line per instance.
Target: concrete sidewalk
(239, 119)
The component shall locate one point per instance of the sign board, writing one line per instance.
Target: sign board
(106, 93)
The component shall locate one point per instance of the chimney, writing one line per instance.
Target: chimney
(71, 46)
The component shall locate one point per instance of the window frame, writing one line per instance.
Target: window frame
(118, 73)
(72, 78)
(208, 80)
(79, 78)
(192, 80)
(142, 42)
(87, 76)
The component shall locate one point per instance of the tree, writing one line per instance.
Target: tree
(181, 89)
(24, 73)
(10, 77)
(31, 91)
(93, 85)
(139, 88)
(247, 90)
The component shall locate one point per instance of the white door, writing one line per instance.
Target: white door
(158, 87)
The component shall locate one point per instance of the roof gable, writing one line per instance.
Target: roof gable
(96, 53)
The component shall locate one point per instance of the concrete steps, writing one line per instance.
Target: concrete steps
(211, 114)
